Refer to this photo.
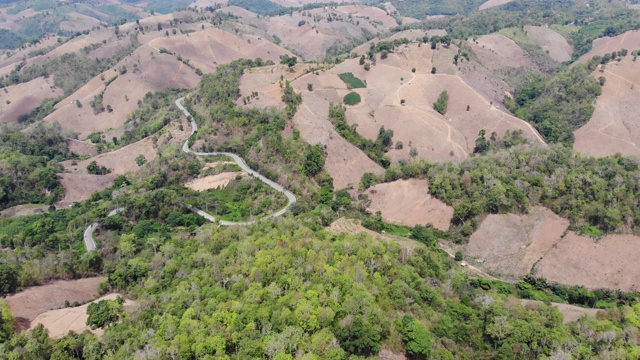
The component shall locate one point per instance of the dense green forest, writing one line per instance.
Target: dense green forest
(598, 193)
(283, 290)
(558, 105)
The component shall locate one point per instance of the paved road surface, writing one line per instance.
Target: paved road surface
(243, 165)
(88, 232)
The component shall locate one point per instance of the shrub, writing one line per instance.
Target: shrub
(367, 66)
(441, 104)
(352, 98)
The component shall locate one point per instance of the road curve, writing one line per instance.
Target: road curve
(88, 232)
(89, 242)
(243, 165)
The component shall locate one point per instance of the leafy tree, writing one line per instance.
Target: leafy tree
(416, 338)
(314, 160)
(95, 169)
(104, 313)
(6, 321)
(441, 104)
(141, 160)
(8, 279)
(290, 61)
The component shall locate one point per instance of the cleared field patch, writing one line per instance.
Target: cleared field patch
(79, 186)
(509, 245)
(629, 40)
(59, 322)
(351, 81)
(609, 262)
(408, 202)
(23, 98)
(23, 210)
(615, 124)
(493, 3)
(416, 124)
(218, 181)
(28, 304)
(123, 93)
(551, 41)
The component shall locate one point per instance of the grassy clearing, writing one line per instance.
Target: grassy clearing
(351, 81)
(352, 98)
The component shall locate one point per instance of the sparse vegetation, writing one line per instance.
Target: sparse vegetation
(559, 105)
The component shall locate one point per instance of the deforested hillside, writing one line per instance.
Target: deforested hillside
(290, 179)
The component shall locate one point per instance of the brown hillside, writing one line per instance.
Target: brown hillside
(629, 40)
(509, 245)
(22, 98)
(609, 262)
(408, 202)
(551, 41)
(615, 124)
(312, 39)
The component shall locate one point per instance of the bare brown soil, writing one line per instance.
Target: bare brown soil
(509, 245)
(81, 148)
(551, 41)
(615, 124)
(493, 3)
(28, 304)
(149, 70)
(59, 322)
(603, 45)
(208, 48)
(408, 202)
(134, 84)
(213, 181)
(312, 39)
(496, 51)
(79, 186)
(386, 354)
(23, 210)
(79, 22)
(609, 262)
(22, 98)
(570, 313)
(416, 124)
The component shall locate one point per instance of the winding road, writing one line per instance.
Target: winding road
(88, 232)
